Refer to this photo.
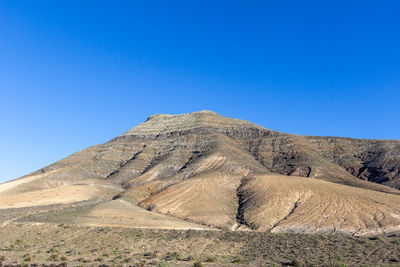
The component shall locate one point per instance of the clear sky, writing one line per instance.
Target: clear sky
(78, 73)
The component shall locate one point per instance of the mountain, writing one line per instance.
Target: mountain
(205, 171)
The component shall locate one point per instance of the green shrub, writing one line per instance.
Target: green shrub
(27, 257)
(237, 259)
(198, 264)
(211, 259)
(63, 258)
(163, 264)
(297, 263)
(172, 256)
(54, 257)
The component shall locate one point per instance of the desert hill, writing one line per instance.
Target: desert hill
(204, 171)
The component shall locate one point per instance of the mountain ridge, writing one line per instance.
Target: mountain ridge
(214, 171)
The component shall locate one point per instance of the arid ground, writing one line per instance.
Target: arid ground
(83, 246)
(178, 189)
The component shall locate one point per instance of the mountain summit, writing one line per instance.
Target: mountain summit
(202, 170)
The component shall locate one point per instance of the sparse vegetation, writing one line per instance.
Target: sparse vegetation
(338, 260)
(236, 259)
(172, 248)
(211, 259)
(297, 263)
(172, 256)
(163, 264)
(54, 257)
(63, 258)
(27, 257)
(198, 264)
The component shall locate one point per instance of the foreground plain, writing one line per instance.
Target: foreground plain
(25, 243)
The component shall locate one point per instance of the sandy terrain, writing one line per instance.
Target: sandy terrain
(119, 213)
(303, 205)
(84, 190)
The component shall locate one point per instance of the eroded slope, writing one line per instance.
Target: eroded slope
(205, 169)
(295, 204)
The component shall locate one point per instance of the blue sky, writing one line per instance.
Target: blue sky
(78, 73)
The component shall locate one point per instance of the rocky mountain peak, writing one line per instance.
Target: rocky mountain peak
(205, 119)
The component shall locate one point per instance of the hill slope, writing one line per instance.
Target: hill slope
(207, 169)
